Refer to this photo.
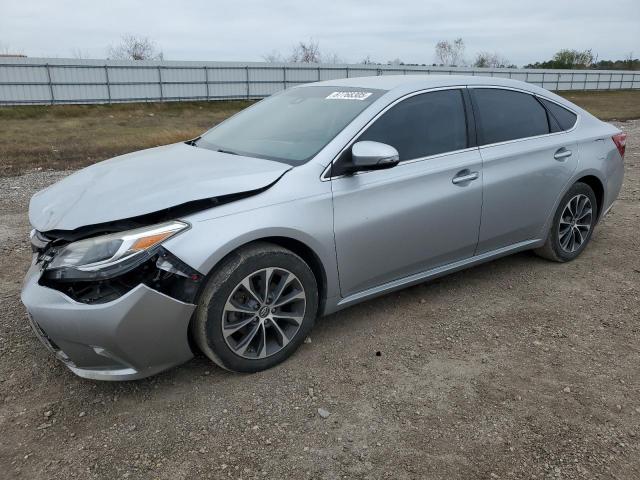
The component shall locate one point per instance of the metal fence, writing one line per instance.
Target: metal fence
(60, 81)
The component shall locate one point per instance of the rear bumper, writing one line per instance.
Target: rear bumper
(139, 334)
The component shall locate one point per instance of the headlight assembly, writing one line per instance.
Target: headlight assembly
(110, 255)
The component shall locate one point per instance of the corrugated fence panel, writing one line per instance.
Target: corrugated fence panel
(80, 93)
(25, 94)
(304, 75)
(23, 74)
(361, 72)
(184, 83)
(178, 91)
(135, 92)
(77, 75)
(134, 74)
(266, 80)
(391, 71)
(267, 74)
(227, 74)
(189, 75)
(535, 77)
(333, 73)
(235, 90)
(48, 80)
(502, 74)
(522, 76)
(262, 89)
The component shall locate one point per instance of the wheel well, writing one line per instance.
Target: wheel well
(598, 189)
(311, 259)
(300, 249)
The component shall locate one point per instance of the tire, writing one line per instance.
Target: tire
(234, 296)
(564, 247)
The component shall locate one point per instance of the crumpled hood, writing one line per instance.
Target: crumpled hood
(145, 182)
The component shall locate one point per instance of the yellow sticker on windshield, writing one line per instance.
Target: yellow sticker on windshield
(348, 95)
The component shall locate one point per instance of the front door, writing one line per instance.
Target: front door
(421, 214)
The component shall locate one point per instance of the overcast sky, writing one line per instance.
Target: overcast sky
(522, 31)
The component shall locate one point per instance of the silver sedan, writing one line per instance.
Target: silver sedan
(309, 201)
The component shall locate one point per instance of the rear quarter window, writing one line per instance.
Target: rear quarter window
(508, 115)
(565, 119)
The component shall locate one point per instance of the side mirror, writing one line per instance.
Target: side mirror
(367, 155)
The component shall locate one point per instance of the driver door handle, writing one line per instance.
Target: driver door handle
(562, 153)
(464, 176)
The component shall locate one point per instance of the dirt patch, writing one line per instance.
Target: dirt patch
(519, 368)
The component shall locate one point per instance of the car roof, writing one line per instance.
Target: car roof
(399, 85)
(418, 82)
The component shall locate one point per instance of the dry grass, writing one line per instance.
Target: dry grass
(73, 136)
(621, 105)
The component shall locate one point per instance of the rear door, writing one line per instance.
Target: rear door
(393, 223)
(527, 160)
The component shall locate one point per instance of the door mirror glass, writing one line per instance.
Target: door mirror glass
(368, 155)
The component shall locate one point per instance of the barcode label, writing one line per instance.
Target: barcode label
(348, 95)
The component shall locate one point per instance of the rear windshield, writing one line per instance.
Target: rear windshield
(291, 126)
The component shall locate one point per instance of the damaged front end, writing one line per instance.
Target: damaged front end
(98, 263)
(105, 267)
(103, 292)
(112, 306)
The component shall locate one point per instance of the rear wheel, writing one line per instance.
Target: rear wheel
(256, 309)
(572, 226)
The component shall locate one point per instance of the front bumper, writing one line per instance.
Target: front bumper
(135, 336)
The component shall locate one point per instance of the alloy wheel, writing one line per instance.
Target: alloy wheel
(263, 313)
(575, 223)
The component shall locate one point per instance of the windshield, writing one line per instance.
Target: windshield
(292, 126)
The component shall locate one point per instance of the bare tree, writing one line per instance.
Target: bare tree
(135, 48)
(367, 60)
(395, 62)
(491, 60)
(450, 54)
(306, 52)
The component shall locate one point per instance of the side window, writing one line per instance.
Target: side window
(422, 125)
(564, 118)
(507, 115)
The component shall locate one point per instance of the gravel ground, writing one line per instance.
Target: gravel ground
(519, 368)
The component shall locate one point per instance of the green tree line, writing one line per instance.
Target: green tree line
(586, 59)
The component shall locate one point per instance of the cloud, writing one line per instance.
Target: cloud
(245, 30)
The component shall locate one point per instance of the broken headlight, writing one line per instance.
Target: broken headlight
(107, 256)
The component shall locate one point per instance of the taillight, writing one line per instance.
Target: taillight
(620, 140)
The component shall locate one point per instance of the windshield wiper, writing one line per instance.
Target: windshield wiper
(222, 150)
(192, 142)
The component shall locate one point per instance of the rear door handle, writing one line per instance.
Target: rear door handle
(562, 153)
(464, 176)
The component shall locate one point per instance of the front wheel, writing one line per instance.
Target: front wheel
(256, 309)
(572, 226)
